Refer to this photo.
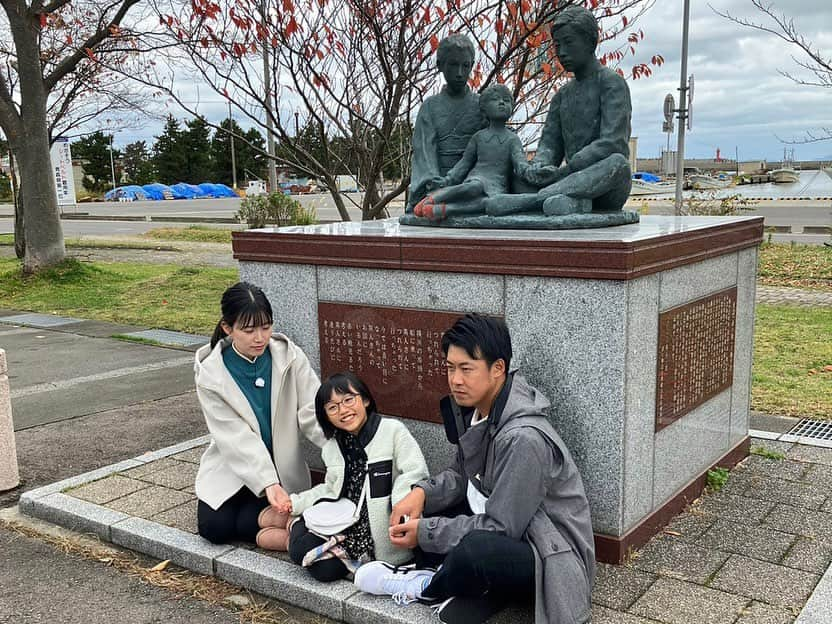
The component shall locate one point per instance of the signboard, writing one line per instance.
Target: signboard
(396, 351)
(695, 354)
(669, 108)
(62, 170)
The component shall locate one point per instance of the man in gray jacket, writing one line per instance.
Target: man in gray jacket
(510, 516)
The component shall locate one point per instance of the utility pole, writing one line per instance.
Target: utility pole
(682, 110)
(112, 163)
(233, 158)
(267, 86)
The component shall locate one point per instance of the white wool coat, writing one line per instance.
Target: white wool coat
(236, 456)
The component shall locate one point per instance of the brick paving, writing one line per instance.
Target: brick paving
(777, 295)
(751, 553)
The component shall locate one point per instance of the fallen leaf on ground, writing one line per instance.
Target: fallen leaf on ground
(160, 566)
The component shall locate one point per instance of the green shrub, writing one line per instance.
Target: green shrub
(717, 478)
(274, 209)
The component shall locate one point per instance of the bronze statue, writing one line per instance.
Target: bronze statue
(581, 169)
(446, 121)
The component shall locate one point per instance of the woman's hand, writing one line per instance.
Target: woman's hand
(410, 506)
(278, 498)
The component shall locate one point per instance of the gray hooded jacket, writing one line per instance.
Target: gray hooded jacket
(535, 493)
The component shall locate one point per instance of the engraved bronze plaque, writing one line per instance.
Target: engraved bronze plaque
(695, 354)
(396, 351)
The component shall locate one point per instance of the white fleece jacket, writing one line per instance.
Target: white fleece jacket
(395, 463)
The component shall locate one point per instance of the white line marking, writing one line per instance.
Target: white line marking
(119, 372)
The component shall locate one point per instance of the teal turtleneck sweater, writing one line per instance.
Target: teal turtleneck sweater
(246, 373)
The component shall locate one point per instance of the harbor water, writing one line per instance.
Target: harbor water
(811, 185)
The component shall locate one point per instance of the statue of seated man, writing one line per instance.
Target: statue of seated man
(486, 167)
(582, 162)
(446, 121)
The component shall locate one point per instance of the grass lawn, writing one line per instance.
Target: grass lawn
(193, 233)
(159, 296)
(797, 266)
(793, 361)
(7, 240)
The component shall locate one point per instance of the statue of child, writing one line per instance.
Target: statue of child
(485, 168)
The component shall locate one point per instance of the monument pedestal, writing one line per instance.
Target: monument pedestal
(640, 335)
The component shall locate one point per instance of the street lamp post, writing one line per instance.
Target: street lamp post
(112, 163)
(682, 110)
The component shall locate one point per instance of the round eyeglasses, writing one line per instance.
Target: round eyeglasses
(333, 407)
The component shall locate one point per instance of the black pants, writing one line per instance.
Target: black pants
(485, 561)
(301, 541)
(235, 520)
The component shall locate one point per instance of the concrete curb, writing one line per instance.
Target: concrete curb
(76, 514)
(786, 437)
(162, 542)
(817, 610)
(285, 581)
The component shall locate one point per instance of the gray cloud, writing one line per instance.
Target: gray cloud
(740, 98)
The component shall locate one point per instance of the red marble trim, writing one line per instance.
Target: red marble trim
(612, 549)
(614, 260)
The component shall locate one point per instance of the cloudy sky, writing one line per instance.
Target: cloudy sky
(741, 102)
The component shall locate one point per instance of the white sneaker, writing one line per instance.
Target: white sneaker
(404, 583)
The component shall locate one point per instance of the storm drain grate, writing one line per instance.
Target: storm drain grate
(816, 429)
(41, 321)
(168, 337)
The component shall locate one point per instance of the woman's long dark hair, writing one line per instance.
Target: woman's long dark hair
(245, 304)
(342, 383)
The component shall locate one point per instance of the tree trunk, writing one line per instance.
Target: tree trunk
(44, 238)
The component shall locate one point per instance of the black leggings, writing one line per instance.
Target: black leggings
(485, 561)
(234, 521)
(301, 541)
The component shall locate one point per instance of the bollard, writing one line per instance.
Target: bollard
(9, 475)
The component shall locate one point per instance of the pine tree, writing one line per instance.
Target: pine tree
(94, 152)
(137, 163)
(169, 158)
(197, 146)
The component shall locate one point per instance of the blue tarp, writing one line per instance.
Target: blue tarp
(131, 191)
(182, 190)
(155, 190)
(217, 190)
(186, 191)
(647, 177)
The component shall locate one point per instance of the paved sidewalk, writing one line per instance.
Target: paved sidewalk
(751, 553)
(778, 295)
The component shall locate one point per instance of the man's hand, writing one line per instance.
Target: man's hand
(278, 498)
(411, 506)
(542, 175)
(405, 535)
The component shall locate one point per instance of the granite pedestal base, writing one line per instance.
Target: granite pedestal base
(649, 379)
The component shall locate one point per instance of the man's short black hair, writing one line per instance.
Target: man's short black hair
(481, 337)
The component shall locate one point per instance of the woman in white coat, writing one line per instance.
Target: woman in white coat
(257, 393)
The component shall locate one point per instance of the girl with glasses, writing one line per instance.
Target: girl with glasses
(363, 450)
